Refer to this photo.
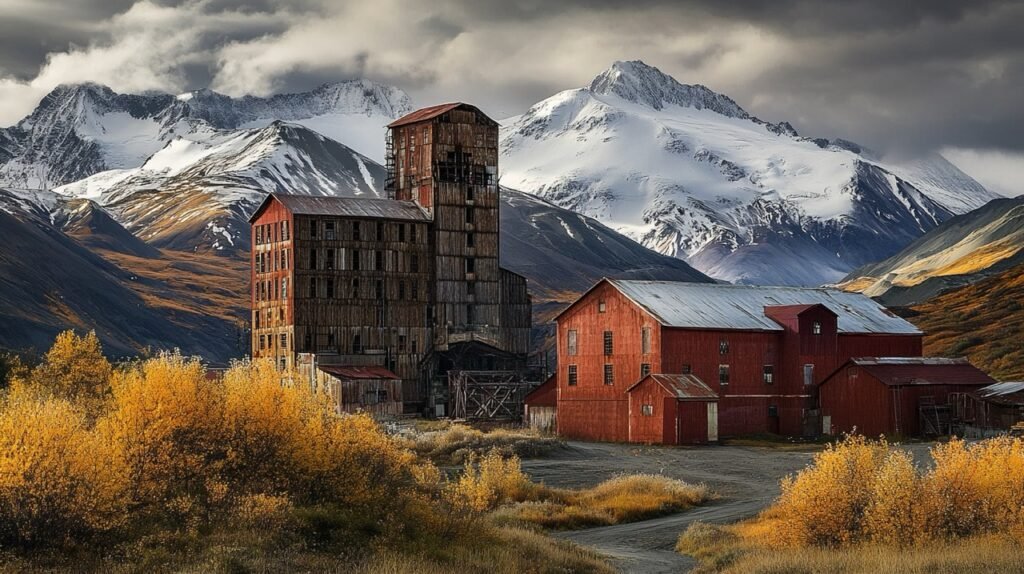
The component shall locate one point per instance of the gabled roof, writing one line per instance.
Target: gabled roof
(1009, 393)
(742, 307)
(358, 372)
(346, 207)
(903, 371)
(683, 387)
(432, 112)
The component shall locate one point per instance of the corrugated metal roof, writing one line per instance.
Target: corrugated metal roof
(352, 207)
(354, 372)
(901, 371)
(1003, 392)
(424, 114)
(741, 307)
(682, 387)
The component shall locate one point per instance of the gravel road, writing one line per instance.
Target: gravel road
(746, 478)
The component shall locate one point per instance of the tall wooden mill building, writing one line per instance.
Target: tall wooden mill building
(410, 283)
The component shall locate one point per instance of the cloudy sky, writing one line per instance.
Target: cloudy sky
(896, 75)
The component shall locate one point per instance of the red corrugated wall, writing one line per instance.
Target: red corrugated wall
(693, 422)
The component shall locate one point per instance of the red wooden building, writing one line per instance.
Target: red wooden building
(540, 406)
(896, 396)
(672, 409)
(762, 350)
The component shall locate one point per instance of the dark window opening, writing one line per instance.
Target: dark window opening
(312, 258)
(355, 260)
(471, 288)
(609, 346)
(357, 345)
(312, 287)
(329, 231)
(470, 319)
(401, 290)
(573, 375)
(645, 369)
(330, 288)
(470, 240)
(380, 231)
(469, 215)
(769, 374)
(355, 231)
(380, 289)
(773, 411)
(313, 225)
(414, 264)
(647, 410)
(401, 232)
(470, 265)
(723, 347)
(329, 262)
(723, 374)
(816, 327)
(379, 260)
(609, 374)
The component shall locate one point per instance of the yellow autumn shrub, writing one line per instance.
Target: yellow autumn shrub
(824, 504)
(58, 481)
(74, 369)
(894, 514)
(166, 422)
(489, 481)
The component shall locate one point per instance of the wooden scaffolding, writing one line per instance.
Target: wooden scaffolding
(487, 395)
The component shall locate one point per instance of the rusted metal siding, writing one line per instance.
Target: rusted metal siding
(271, 281)
(651, 429)
(592, 409)
(378, 397)
(880, 346)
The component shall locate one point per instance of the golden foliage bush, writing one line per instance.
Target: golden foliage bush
(639, 496)
(58, 481)
(457, 443)
(867, 491)
(74, 369)
(489, 481)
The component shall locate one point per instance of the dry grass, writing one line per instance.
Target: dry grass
(622, 499)
(454, 444)
(720, 549)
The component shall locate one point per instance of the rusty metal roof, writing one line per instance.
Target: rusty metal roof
(683, 387)
(902, 371)
(423, 114)
(352, 207)
(742, 307)
(1010, 393)
(357, 372)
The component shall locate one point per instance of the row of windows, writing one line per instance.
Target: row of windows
(269, 261)
(645, 369)
(271, 232)
(330, 289)
(271, 289)
(256, 315)
(356, 260)
(267, 341)
(648, 410)
(572, 341)
(330, 341)
(332, 230)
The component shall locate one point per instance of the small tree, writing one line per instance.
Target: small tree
(74, 369)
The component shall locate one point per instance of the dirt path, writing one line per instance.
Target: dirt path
(747, 479)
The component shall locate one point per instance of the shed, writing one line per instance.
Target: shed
(996, 407)
(367, 388)
(672, 409)
(540, 406)
(896, 396)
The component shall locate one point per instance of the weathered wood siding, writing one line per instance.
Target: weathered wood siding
(271, 281)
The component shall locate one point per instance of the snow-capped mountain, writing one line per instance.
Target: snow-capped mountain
(83, 129)
(196, 192)
(689, 173)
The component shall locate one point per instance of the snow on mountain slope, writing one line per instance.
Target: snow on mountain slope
(195, 192)
(83, 129)
(689, 173)
(963, 250)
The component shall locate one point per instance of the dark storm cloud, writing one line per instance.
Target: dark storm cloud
(889, 73)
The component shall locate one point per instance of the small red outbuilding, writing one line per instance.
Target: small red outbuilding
(895, 396)
(672, 409)
(540, 406)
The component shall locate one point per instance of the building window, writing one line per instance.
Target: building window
(816, 327)
(470, 265)
(284, 231)
(572, 342)
(378, 260)
(601, 307)
(312, 287)
(573, 375)
(313, 224)
(470, 239)
(414, 264)
(284, 259)
(469, 215)
(380, 289)
(284, 288)
(647, 410)
(329, 261)
(470, 319)
(426, 136)
(284, 341)
(263, 342)
(645, 340)
(401, 290)
(256, 320)
(355, 231)
(401, 343)
(609, 374)
(769, 374)
(609, 347)
(773, 411)
(330, 288)
(357, 345)
(471, 288)
(330, 340)
(401, 232)
(312, 259)
(355, 288)
(723, 374)
(412, 233)
(282, 364)
(355, 260)
(723, 347)
(645, 369)
(309, 342)
(380, 231)
(414, 290)
(808, 375)
(469, 193)
(277, 257)
(329, 231)
(259, 235)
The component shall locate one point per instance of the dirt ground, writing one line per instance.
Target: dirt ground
(746, 478)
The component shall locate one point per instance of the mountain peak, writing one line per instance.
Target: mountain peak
(640, 83)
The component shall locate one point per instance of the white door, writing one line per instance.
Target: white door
(712, 422)
(826, 424)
